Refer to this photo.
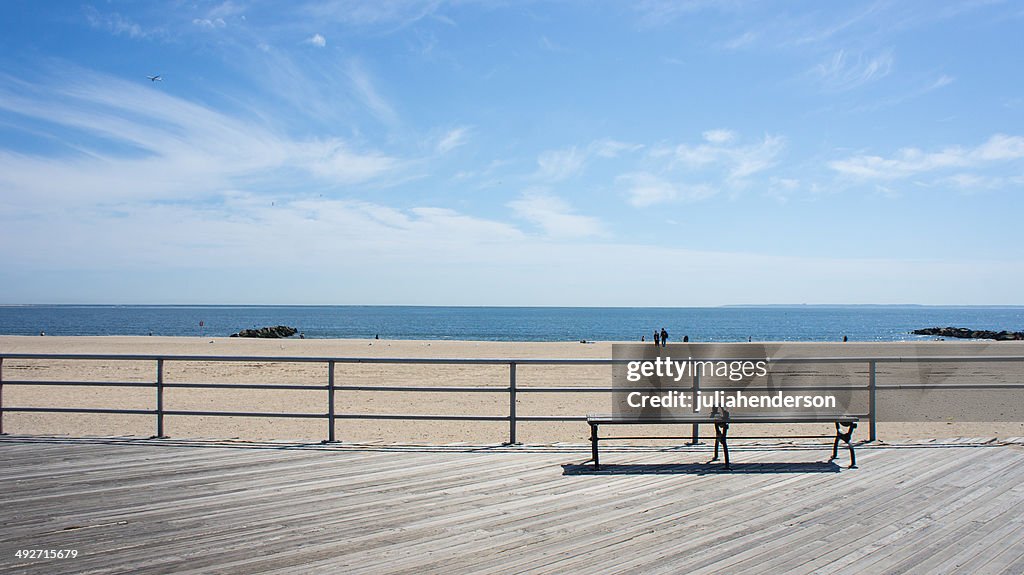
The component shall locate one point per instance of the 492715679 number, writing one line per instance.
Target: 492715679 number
(46, 553)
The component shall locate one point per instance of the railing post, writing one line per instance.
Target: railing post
(2, 396)
(160, 399)
(872, 389)
(330, 402)
(512, 403)
(696, 426)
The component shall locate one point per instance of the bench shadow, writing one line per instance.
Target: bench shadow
(714, 468)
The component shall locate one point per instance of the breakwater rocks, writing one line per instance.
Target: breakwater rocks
(268, 332)
(964, 333)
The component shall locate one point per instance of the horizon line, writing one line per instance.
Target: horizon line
(513, 306)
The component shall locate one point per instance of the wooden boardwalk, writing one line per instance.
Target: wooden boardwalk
(170, 506)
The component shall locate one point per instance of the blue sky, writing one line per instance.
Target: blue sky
(511, 153)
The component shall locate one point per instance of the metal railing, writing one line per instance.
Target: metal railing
(871, 386)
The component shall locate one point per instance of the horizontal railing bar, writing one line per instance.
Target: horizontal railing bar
(165, 412)
(79, 410)
(551, 418)
(245, 386)
(422, 417)
(83, 383)
(580, 389)
(786, 388)
(306, 359)
(181, 385)
(418, 388)
(951, 386)
(495, 389)
(247, 414)
(703, 390)
(320, 415)
(496, 361)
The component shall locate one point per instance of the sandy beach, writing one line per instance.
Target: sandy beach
(384, 431)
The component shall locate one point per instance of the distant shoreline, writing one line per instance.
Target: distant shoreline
(228, 338)
(498, 306)
(814, 323)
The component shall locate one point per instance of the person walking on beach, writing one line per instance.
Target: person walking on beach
(657, 342)
(664, 337)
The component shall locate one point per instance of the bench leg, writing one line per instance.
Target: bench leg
(721, 433)
(835, 444)
(593, 446)
(845, 436)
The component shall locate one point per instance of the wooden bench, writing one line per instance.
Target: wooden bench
(721, 421)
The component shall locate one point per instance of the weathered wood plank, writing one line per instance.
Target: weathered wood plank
(199, 507)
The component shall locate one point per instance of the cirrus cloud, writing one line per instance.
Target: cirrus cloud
(554, 215)
(909, 162)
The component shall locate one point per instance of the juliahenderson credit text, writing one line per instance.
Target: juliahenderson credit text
(728, 400)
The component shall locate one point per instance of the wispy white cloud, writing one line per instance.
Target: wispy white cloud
(381, 14)
(226, 9)
(562, 164)
(323, 92)
(643, 189)
(940, 82)
(719, 136)
(1000, 147)
(653, 13)
(368, 94)
(741, 41)
(119, 25)
(817, 33)
(843, 71)
(148, 144)
(454, 138)
(334, 160)
(557, 165)
(209, 24)
(781, 189)
(967, 182)
(554, 215)
(721, 162)
(233, 229)
(739, 161)
(218, 16)
(317, 40)
(549, 45)
(608, 148)
(910, 162)
(937, 84)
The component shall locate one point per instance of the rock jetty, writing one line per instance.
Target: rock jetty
(268, 332)
(964, 333)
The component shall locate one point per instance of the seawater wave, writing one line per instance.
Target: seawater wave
(768, 323)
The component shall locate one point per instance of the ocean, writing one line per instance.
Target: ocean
(764, 323)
